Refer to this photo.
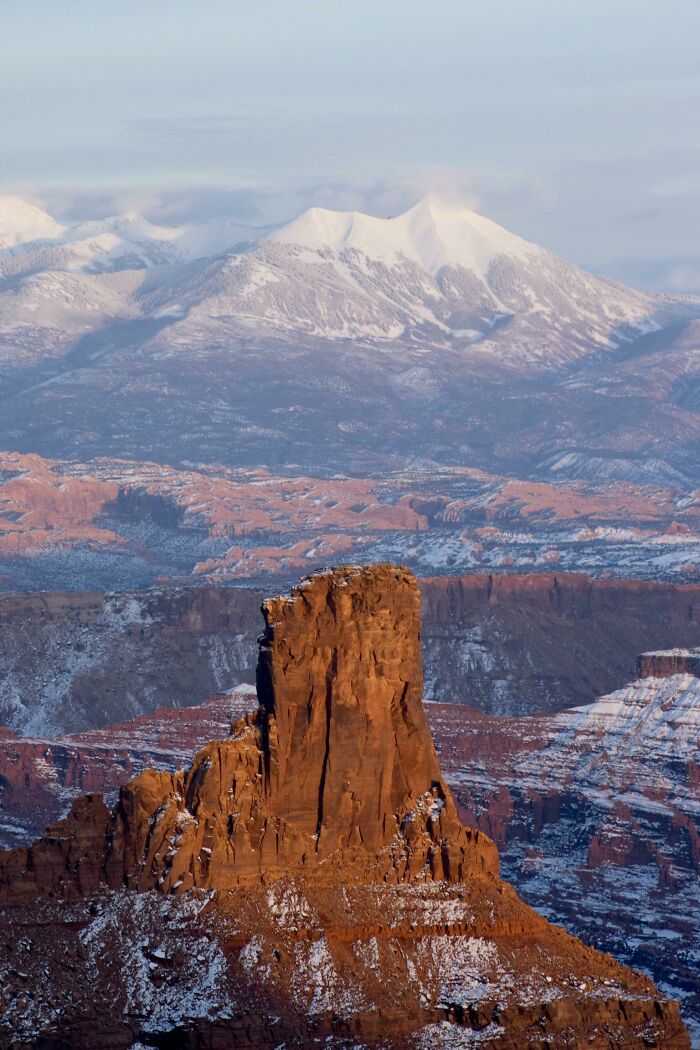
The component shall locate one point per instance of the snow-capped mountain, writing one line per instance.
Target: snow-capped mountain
(339, 340)
(435, 275)
(431, 234)
(23, 223)
(59, 283)
(30, 240)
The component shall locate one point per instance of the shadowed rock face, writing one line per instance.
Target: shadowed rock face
(523, 644)
(335, 772)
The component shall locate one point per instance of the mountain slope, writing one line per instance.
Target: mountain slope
(342, 342)
(21, 222)
(435, 275)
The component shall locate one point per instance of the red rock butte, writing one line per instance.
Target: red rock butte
(331, 787)
(663, 663)
(335, 772)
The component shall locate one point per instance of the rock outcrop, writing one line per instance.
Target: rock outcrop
(336, 771)
(509, 644)
(521, 644)
(666, 662)
(73, 661)
(594, 812)
(349, 900)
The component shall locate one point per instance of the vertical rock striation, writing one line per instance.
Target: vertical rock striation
(335, 774)
(663, 663)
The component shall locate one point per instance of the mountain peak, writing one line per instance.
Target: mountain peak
(433, 233)
(21, 222)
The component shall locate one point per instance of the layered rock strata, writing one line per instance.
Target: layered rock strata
(522, 644)
(667, 662)
(509, 644)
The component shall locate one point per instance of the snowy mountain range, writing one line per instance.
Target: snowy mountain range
(435, 275)
(338, 340)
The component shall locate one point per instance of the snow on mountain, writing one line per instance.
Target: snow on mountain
(432, 234)
(21, 222)
(635, 739)
(43, 316)
(33, 241)
(437, 275)
(59, 282)
(129, 241)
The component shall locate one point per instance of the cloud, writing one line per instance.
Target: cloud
(677, 187)
(677, 275)
(257, 204)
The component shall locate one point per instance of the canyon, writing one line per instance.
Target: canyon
(595, 812)
(194, 416)
(508, 644)
(593, 848)
(259, 894)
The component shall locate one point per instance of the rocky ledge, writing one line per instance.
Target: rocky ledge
(310, 879)
(663, 663)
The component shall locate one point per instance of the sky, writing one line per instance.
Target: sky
(575, 123)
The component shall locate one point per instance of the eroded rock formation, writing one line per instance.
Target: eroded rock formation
(350, 900)
(666, 662)
(336, 771)
(509, 644)
(523, 644)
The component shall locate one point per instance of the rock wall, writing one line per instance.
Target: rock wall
(666, 662)
(594, 812)
(518, 644)
(76, 661)
(507, 644)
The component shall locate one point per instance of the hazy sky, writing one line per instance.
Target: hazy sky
(574, 122)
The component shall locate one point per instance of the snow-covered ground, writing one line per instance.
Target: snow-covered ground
(601, 830)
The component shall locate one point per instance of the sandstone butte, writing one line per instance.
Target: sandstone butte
(318, 853)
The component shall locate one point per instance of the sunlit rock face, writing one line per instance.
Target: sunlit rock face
(313, 863)
(335, 771)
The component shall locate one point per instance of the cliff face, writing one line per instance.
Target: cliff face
(76, 661)
(667, 662)
(507, 644)
(520, 644)
(595, 815)
(341, 683)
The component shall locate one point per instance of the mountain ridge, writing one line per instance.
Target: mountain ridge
(276, 352)
(437, 273)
